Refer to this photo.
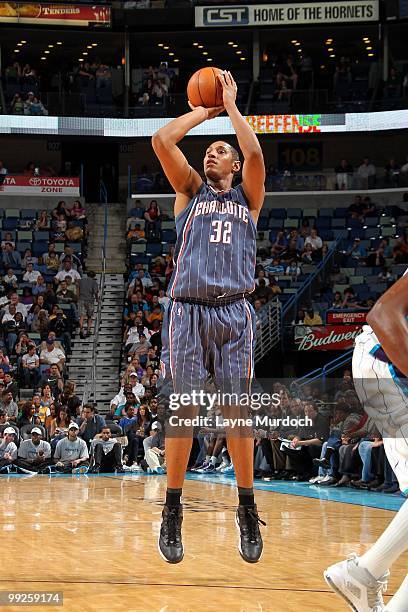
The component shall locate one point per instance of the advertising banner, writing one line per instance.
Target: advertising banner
(352, 11)
(326, 337)
(55, 14)
(40, 185)
(346, 317)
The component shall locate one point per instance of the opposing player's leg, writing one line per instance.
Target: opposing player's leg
(182, 369)
(362, 581)
(235, 325)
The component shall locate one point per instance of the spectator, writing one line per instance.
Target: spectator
(11, 258)
(71, 453)
(392, 171)
(154, 449)
(344, 174)
(366, 173)
(17, 105)
(10, 280)
(31, 275)
(31, 367)
(293, 270)
(350, 299)
(376, 259)
(306, 444)
(3, 170)
(314, 240)
(287, 77)
(88, 293)
(36, 107)
(312, 318)
(67, 270)
(34, 455)
(51, 355)
(9, 406)
(356, 250)
(107, 453)
(280, 244)
(337, 300)
(307, 255)
(8, 449)
(90, 424)
(393, 85)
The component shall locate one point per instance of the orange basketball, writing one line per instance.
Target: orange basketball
(204, 88)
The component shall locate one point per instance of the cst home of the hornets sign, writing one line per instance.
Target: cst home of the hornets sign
(352, 11)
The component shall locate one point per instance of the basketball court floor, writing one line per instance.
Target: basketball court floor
(95, 540)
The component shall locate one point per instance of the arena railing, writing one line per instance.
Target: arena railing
(90, 387)
(323, 372)
(268, 328)
(272, 316)
(251, 102)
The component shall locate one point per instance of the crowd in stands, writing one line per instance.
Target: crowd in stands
(97, 81)
(347, 81)
(42, 295)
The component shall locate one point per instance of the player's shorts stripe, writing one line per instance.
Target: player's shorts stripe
(183, 244)
(251, 342)
(171, 330)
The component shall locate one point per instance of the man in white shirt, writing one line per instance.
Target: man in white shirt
(30, 363)
(3, 170)
(51, 355)
(137, 387)
(31, 275)
(34, 455)
(8, 449)
(314, 240)
(366, 173)
(15, 301)
(67, 270)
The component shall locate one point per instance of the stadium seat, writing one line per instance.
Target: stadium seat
(28, 213)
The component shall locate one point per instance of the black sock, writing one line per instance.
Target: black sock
(173, 498)
(246, 496)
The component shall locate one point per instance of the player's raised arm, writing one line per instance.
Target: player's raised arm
(388, 320)
(253, 171)
(182, 177)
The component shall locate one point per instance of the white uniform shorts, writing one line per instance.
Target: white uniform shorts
(384, 397)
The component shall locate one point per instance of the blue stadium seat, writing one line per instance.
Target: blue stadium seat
(11, 224)
(278, 213)
(323, 222)
(169, 236)
(28, 213)
(41, 235)
(40, 247)
(263, 224)
(340, 212)
(276, 224)
(154, 248)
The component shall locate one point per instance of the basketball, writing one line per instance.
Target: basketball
(204, 88)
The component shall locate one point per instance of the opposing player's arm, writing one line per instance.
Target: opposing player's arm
(388, 320)
(253, 170)
(182, 177)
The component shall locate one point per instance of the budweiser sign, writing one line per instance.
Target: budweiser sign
(40, 185)
(327, 337)
(346, 317)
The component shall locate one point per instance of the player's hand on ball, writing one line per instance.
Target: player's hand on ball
(229, 89)
(211, 112)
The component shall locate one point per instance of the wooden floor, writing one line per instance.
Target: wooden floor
(95, 539)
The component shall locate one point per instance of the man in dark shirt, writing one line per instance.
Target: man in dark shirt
(307, 443)
(90, 423)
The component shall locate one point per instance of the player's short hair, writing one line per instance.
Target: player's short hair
(234, 153)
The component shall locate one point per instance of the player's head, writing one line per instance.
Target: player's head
(221, 160)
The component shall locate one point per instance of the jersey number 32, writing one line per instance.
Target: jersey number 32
(221, 232)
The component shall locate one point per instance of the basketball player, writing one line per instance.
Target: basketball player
(380, 368)
(209, 325)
